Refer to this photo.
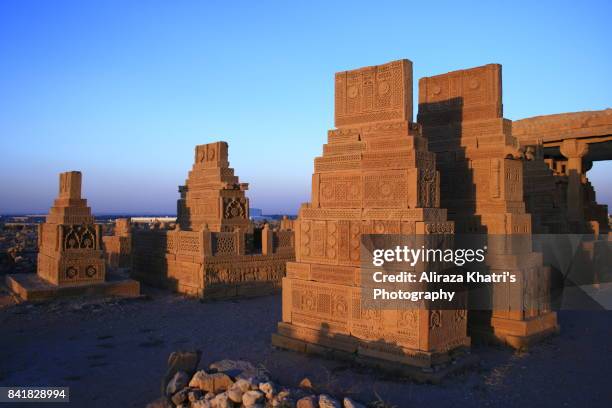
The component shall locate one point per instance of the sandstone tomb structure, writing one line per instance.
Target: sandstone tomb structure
(376, 176)
(214, 251)
(118, 247)
(71, 258)
(571, 142)
(482, 168)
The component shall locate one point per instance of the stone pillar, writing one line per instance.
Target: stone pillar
(240, 241)
(267, 240)
(205, 238)
(574, 151)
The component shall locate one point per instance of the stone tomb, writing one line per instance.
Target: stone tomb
(572, 142)
(482, 187)
(118, 247)
(376, 176)
(214, 251)
(71, 258)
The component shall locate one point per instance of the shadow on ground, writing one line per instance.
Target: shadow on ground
(113, 353)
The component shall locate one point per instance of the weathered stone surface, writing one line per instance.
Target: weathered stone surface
(70, 250)
(235, 394)
(221, 401)
(70, 259)
(308, 402)
(195, 395)
(482, 167)
(251, 398)
(376, 176)
(185, 361)
(570, 142)
(215, 251)
(118, 247)
(349, 403)
(201, 404)
(216, 382)
(283, 400)
(240, 369)
(244, 384)
(325, 401)
(177, 383)
(268, 389)
(181, 396)
(306, 383)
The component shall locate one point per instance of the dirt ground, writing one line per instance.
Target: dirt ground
(113, 354)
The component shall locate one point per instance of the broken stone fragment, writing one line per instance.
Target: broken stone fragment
(308, 402)
(282, 400)
(243, 384)
(306, 383)
(216, 382)
(178, 382)
(235, 394)
(186, 361)
(251, 398)
(240, 369)
(195, 395)
(201, 404)
(349, 403)
(268, 389)
(180, 396)
(221, 401)
(325, 401)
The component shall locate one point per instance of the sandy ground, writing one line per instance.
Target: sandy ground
(113, 354)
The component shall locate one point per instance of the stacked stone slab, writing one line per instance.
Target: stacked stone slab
(376, 176)
(118, 247)
(69, 241)
(543, 195)
(71, 260)
(482, 171)
(572, 141)
(212, 196)
(214, 252)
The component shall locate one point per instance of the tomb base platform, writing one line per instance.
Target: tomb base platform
(417, 365)
(30, 287)
(518, 334)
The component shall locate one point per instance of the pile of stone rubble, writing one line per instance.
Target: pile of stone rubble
(234, 384)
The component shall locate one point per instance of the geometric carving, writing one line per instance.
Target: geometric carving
(374, 94)
(376, 176)
(69, 241)
(212, 196)
(79, 236)
(212, 252)
(70, 257)
(482, 171)
(234, 208)
(470, 94)
(71, 272)
(90, 271)
(435, 319)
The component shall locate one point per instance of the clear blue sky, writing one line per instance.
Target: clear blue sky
(124, 90)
